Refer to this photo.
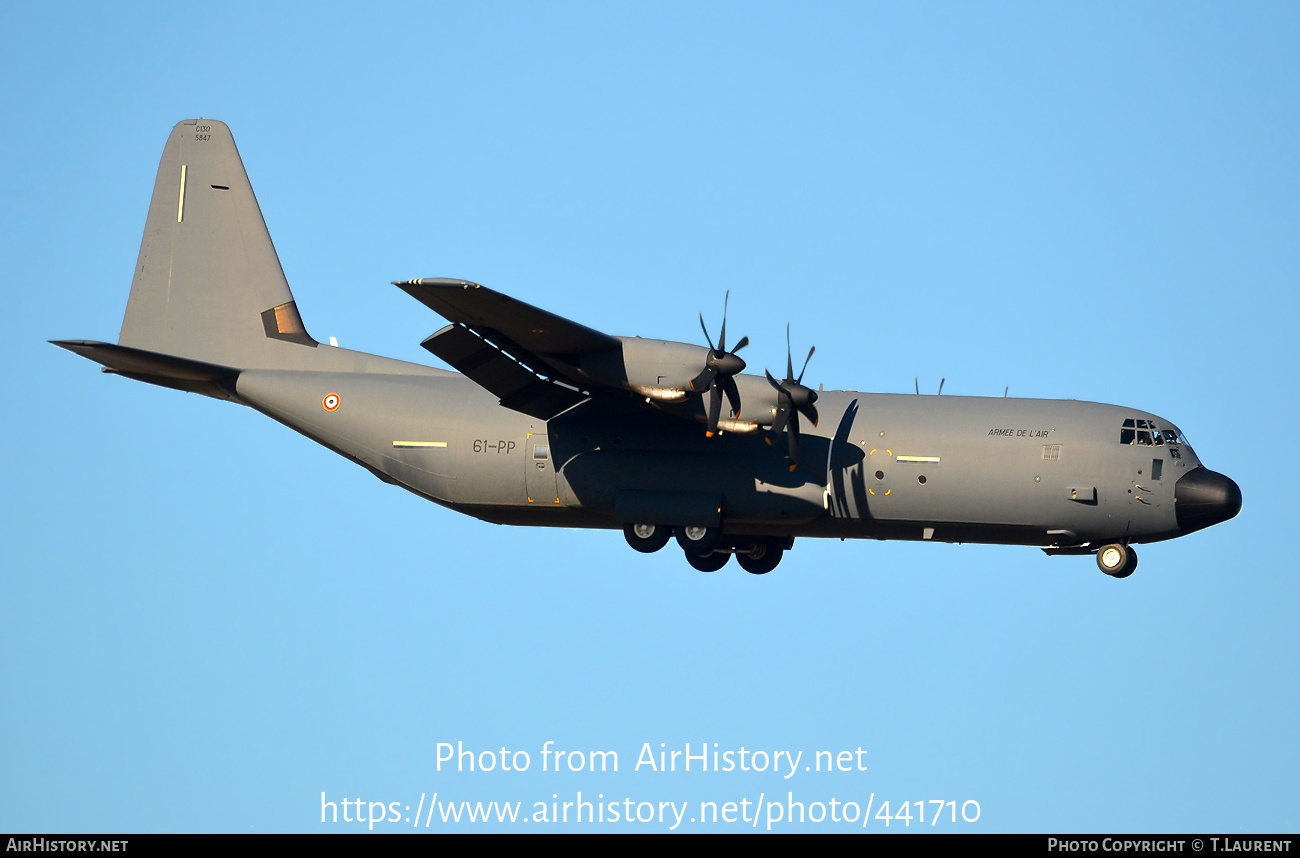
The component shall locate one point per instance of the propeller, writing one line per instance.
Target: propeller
(719, 368)
(792, 400)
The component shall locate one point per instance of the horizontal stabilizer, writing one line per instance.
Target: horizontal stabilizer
(518, 387)
(165, 370)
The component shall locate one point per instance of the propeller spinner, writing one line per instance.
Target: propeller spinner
(792, 400)
(718, 372)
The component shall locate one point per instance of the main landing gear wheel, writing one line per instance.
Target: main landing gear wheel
(698, 540)
(646, 538)
(1116, 560)
(707, 562)
(762, 558)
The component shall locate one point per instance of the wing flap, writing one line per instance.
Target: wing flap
(518, 387)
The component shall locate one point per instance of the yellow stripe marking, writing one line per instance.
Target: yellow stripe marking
(931, 459)
(419, 443)
(180, 205)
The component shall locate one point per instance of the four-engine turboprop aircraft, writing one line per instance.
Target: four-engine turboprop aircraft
(552, 423)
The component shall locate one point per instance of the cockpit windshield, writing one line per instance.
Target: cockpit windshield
(1145, 433)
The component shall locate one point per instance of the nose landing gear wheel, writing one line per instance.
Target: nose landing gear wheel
(707, 562)
(1116, 560)
(646, 538)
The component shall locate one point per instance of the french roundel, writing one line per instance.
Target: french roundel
(330, 402)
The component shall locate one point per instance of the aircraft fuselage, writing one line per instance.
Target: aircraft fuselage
(943, 468)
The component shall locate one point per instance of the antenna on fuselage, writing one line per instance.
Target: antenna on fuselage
(1004, 392)
(916, 380)
(941, 381)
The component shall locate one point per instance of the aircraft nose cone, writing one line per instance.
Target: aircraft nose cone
(1203, 497)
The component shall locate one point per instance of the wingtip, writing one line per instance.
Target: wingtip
(77, 346)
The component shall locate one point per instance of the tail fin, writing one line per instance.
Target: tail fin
(208, 285)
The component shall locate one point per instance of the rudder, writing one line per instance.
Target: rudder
(208, 285)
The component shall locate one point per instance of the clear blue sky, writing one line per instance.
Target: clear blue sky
(206, 621)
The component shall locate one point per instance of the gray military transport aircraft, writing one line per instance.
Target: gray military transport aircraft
(551, 423)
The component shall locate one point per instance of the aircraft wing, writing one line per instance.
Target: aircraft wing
(531, 328)
(521, 353)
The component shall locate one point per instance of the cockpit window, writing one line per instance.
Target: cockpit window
(1145, 433)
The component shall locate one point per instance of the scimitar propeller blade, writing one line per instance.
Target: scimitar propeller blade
(792, 399)
(719, 368)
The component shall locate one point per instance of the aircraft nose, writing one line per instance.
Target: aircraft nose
(1203, 497)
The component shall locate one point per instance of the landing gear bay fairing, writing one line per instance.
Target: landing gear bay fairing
(550, 423)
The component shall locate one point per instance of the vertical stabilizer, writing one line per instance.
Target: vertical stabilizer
(208, 285)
